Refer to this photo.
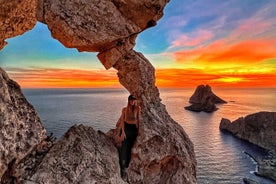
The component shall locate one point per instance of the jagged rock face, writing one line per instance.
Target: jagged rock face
(258, 128)
(20, 127)
(163, 153)
(82, 155)
(16, 17)
(204, 99)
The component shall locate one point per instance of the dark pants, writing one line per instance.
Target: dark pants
(131, 132)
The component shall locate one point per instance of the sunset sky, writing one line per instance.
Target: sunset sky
(222, 43)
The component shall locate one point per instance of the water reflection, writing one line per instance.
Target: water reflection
(220, 156)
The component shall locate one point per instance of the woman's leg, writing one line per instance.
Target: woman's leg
(130, 142)
(123, 154)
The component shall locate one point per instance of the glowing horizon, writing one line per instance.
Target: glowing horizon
(229, 44)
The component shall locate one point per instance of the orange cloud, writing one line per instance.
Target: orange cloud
(193, 77)
(64, 78)
(170, 78)
(245, 52)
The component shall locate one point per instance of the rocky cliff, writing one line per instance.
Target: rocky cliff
(20, 127)
(163, 153)
(258, 128)
(204, 99)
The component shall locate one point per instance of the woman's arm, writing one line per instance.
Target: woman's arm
(123, 122)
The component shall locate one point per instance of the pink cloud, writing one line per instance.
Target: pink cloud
(252, 28)
(194, 39)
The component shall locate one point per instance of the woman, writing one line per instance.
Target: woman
(130, 123)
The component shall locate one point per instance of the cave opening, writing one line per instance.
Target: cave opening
(65, 86)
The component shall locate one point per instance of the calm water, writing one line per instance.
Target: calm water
(219, 155)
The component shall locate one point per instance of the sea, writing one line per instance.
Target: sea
(221, 158)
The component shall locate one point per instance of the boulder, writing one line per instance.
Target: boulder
(20, 127)
(204, 99)
(82, 155)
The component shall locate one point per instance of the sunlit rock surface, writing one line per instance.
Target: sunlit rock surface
(20, 127)
(16, 17)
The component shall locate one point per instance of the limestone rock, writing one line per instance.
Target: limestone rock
(20, 127)
(258, 128)
(204, 99)
(164, 152)
(16, 17)
(82, 155)
(99, 25)
(18, 172)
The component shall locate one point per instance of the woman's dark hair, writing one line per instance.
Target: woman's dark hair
(131, 97)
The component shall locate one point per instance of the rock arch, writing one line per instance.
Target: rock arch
(110, 28)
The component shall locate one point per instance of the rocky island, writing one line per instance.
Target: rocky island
(204, 99)
(259, 129)
(162, 154)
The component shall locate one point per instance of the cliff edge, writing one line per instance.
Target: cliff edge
(259, 129)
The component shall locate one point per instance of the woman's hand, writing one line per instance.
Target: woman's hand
(123, 135)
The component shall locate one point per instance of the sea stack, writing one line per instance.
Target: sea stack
(204, 99)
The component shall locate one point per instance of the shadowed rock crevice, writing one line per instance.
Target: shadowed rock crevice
(110, 27)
